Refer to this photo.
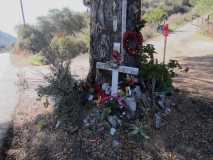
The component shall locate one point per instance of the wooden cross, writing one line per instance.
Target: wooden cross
(115, 74)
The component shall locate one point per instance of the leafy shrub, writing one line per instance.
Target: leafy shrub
(201, 7)
(61, 81)
(176, 6)
(62, 85)
(49, 33)
(138, 130)
(155, 15)
(63, 48)
(31, 39)
(35, 59)
(151, 70)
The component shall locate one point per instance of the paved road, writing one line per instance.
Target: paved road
(8, 93)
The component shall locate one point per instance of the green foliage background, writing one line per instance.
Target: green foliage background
(62, 34)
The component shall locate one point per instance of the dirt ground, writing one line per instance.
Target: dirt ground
(186, 133)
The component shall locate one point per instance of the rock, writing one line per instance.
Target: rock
(113, 131)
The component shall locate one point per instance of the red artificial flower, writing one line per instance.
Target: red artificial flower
(97, 88)
(102, 98)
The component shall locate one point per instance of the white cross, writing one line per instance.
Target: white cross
(115, 74)
(124, 23)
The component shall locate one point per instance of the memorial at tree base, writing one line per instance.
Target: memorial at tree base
(129, 110)
(126, 86)
(125, 78)
(113, 52)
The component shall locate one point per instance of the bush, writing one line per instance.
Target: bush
(63, 48)
(155, 15)
(203, 6)
(152, 71)
(35, 60)
(30, 39)
(49, 34)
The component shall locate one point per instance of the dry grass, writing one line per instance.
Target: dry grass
(174, 21)
(149, 32)
(179, 19)
(20, 57)
(207, 30)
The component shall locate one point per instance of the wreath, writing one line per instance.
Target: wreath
(134, 36)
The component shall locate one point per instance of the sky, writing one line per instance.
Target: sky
(10, 12)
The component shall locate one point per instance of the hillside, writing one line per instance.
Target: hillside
(6, 39)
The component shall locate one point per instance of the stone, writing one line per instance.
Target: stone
(113, 131)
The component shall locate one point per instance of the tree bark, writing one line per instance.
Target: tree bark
(102, 34)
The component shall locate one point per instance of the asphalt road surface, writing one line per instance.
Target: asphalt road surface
(8, 93)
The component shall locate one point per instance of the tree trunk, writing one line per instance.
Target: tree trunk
(102, 34)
